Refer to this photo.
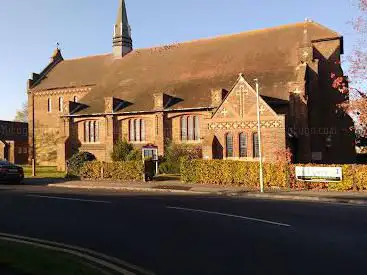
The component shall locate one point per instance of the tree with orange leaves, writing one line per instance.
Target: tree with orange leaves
(354, 88)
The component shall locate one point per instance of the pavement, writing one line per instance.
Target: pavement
(177, 187)
(173, 233)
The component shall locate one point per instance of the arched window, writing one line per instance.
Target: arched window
(142, 130)
(131, 130)
(137, 130)
(243, 145)
(61, 104)
(183, 128)
(255, 141)
(86, 131)
(49, 105)
(196, 128)
(91, 131)
(190, 128)
(96, 131)
(229, 145)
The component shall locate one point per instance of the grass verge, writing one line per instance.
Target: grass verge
(43, 172)
(25, 259)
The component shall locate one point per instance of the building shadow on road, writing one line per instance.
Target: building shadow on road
(44, 181)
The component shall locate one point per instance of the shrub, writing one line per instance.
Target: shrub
(134, 155)
(175, 152)
(122, 170)
(76, 162)
(121, 151)
(360, 178)
(91, 170)
(169, 168)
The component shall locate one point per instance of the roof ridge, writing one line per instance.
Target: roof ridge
(223, 36)
(88, 56)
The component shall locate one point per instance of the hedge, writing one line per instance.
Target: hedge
(123, 170)
(280, 175)
(227, 172)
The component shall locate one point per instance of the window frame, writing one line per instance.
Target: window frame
(255, 145)
(243, 149)
(190, 128)
(227, 145)
(49, 105)
(137, 130)
(91, 131)
(61, 104)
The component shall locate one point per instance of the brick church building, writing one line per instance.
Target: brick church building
(198, 92)
(14, 141)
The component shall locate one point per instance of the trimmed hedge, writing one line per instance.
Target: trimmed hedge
(228, 172)
(123, 170)
(281, 175)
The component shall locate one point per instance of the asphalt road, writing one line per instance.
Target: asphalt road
(171, 234)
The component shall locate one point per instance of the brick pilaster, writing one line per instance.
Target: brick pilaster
(109, 136)
(63, 143)
(160, 135)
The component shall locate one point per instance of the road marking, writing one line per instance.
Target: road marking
(67, 199)
(96, 257)
(229, 215)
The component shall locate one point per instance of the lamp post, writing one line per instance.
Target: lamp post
(259, 135)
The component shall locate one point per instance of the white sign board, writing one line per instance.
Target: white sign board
(319, 174)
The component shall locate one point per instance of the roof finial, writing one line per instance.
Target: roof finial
(57, 53)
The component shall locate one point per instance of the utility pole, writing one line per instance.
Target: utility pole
(259, 135)
(33, 137)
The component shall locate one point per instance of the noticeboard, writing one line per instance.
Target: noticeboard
(319, 174)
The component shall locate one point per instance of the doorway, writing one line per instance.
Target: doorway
(4, 150)
(217, 149)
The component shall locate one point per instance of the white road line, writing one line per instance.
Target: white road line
(75, 248)
(67, 199)
(102, 262)
(229, 215)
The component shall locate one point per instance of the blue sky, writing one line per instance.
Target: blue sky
(29, 30)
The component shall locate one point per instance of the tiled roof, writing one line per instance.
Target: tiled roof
(189, 70)
(76, 72)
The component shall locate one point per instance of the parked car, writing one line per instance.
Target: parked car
(10, 173)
